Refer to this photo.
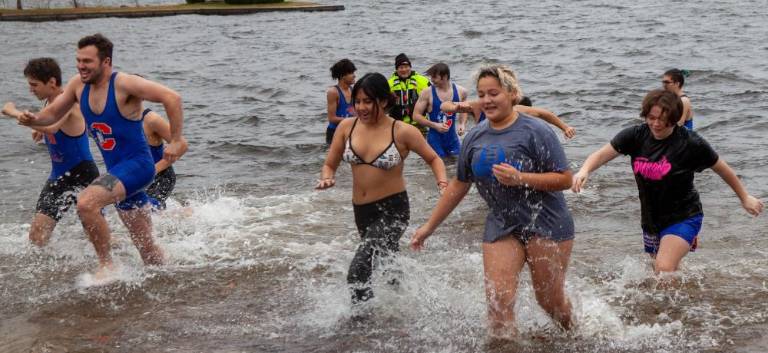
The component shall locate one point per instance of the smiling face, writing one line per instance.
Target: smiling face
(658, 123)
(404, 71)
(495, 100)
(367, 109)
(90, 66)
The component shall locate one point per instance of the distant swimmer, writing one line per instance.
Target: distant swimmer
(407, 85)
(376, 145)
(519, 168)
(673, 81)
(72, 166)
(475, 108)
(158, 132)
(444, 128)
(339, 97)
(664, 158)
(111, 104)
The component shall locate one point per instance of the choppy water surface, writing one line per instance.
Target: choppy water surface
(260, 265)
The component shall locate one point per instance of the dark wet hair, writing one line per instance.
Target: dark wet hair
(43, 69)
(526, 101)
(670, 104)
(678, 75)
(102, 44)
(439, 70)
(376, 87)
(341, 68)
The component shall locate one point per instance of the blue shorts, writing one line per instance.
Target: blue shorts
(688, 229)
(445, 144)
(135, 174)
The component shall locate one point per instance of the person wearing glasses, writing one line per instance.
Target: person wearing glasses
(673, 81)
(664, 158)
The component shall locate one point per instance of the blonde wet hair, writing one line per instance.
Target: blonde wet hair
(506, 77)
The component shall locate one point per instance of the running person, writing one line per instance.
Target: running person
(664, 158)
(117, 130)
(376, 145)
(406, 85)
(673, 81)
(475, 108)
(519, 167)
(157, 130)
(72, 166)
(444, 130)
(339, 97)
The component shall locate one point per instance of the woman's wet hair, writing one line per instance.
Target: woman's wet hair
(43, 69)
(341, 68)
(670, 105)
(506, 78)
(678, 75)
(376, 87)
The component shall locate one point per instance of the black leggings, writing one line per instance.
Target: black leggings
(162, 186)
(381, 224)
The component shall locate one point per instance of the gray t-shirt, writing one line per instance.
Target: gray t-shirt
(532, 147)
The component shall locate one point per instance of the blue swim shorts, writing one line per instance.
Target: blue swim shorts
(688, 229)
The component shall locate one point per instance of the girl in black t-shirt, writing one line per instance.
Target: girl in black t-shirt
(664, 158)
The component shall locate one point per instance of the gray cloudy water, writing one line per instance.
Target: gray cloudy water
(260, 265)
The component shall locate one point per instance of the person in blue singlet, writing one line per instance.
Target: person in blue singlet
(111, 104)
(673, 81)
(444, 128)
(157, 130)
(339, 97)
(72, 166)
(376, 145)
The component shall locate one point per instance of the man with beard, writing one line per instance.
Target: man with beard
(111, 104)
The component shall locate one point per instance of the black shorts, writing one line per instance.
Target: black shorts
(60, 193)
(162, 186)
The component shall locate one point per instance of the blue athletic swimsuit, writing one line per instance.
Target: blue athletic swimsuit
(343, 109)
(66, 152)
(123, 146)
(447, 143)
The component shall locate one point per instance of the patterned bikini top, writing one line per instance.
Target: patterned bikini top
(386, 160)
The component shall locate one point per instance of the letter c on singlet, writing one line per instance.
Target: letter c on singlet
(100, 130)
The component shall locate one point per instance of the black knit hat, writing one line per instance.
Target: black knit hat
(401, 59)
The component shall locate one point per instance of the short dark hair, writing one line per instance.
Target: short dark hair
(677, 75)
(43, 69)
(439, 70)
(341, 68)
(376, 87)
(102, 44)
(669, 103)
(526, 101)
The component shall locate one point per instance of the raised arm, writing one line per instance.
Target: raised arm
(462, 115)
(595, 160)
(9, 110)
(750, 203)
(154, 92)
(549, 117)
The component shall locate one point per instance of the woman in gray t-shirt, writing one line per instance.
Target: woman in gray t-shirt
(519, 168)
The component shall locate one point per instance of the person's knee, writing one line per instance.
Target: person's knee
(661, 266)
(87, 205)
